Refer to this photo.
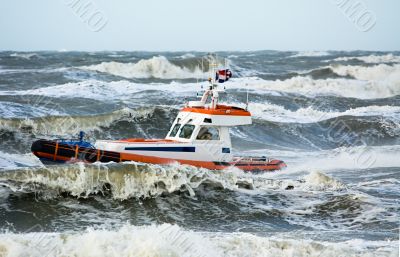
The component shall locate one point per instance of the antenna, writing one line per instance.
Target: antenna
(247, 96)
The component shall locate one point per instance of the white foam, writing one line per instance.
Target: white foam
(311, 87)
(380, 72)
(278, 113)
(388, 58)
(13, 71)
(314, 181)
(342, 158)
(171, 240)
(13, 161)
(132, 179)
(16, 110)
(310, 54)
(243, 244)
(186, 56)
(71, 125)
(319, 181)
(101, 90)
(127, 180)
(86, 89)
(156, 67)
(26, 56)
(363, 89)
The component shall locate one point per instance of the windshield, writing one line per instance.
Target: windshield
(186, 131)
(208, 133)
(175, 130)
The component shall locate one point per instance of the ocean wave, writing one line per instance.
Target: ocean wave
(156, 67)
(137, 180)
(316, 87)
(352, 158)
(341, 205)
(186, 56)
(388, 58)
(273, 125)
(93, 89)
(26, 56)
(277, 113)
(319, 181)
(71, 125)
(310, 54)
(381, 77)
(16, 71)
(172, 240)
(14, 161)
(122, 180)
(326, 134)
(101, 90)
(380, 81)
(15, 110)
(380, 72)
(349, 210)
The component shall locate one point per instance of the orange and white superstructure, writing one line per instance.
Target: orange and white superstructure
(199, 136)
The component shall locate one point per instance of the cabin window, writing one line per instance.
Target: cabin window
(175, 130)
(186, 131)
(208, 133)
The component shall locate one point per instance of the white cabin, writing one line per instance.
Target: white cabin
(200, 132)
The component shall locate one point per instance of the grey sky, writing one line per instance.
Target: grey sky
(198, 25)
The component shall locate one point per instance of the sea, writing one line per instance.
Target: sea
(332, 116)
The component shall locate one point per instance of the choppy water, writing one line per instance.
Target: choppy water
(334, 117)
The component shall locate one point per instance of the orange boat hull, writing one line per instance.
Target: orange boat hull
(60, 152)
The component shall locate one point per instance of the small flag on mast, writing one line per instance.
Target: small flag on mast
(222, 76)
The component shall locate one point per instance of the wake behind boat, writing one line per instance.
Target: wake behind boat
(199, 136)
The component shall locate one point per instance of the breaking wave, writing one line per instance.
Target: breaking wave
(343, 158)
(25, 56)
(277, 113)
(156, 67)
(101, 90)
(123, 181)
(380, 81)
(121, 90)
(172, 240)
(310, 54)
(71, 125)
(137, 180)
(388, 58)
(383, 72)
(14, 161)
(314, 87)
(127, 180)
(13, 110)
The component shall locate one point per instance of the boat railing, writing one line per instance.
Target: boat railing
(251, 159)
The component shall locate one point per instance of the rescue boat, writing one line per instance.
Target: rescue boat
(199, 136)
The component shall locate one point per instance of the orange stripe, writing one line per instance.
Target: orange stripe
(160, 160)
(76, 151)
(51, 156)
(55, 151)
(220, 110)
(142, 140)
